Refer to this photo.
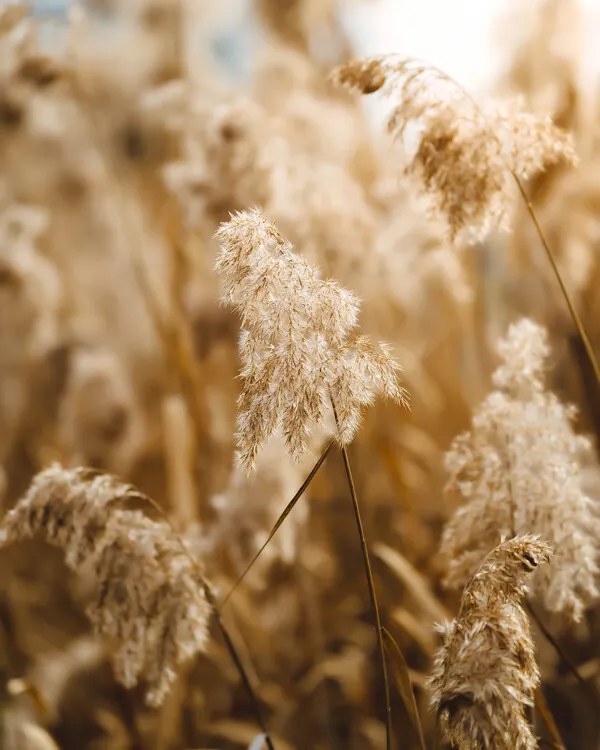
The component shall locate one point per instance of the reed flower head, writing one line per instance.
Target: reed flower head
(150, 605)
(296, 345)
(463, 157)
(485, 672)
(518, 470)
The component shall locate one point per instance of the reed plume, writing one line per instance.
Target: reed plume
(485, 672)
(461, 154)
(518, 470)
(297, 344)
(150, 603)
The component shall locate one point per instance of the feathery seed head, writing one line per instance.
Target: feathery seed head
(463, 156)
(506, 570)
(485, 672)
(296, 346)
(523, 352)
(518, 470)
(361, 76)
(150, 603)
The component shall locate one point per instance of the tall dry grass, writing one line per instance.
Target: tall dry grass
(221, 525)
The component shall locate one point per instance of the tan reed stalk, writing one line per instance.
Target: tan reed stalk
(406, 688)
(371, 587)
(230, 645)
(179, 352)
(250, 692)
(373, 596)
(284, 514)
(179, 445)
(585, 339)
(548, 719)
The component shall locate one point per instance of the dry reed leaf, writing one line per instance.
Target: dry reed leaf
(346, 668)
(413, 580)
(180, 453)
(405, 687)
(415, 628)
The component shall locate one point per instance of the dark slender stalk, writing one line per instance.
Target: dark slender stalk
(546, 633)
(245, 680)
(572, 310)
(286, 511)
(206, 590)
(548, 719)
(371, 586)
(373, 596)
(557, 647)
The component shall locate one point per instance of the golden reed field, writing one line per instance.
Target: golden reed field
(299, 394)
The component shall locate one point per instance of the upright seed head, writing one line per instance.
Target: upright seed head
(296, 346)
(518, 469)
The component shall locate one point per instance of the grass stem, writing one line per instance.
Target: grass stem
(245, 680)
(285, 513)
(373, 596)
(550, 255)
(566, 659)
(371, 586)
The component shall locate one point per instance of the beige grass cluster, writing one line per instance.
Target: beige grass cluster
(149, 606)
(297, 347)
(485, 673)
(462, 155)
(128, 135)
(518, 470)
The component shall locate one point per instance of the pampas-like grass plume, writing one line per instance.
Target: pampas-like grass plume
(485, 672)
(462, 155)
(518, 470)
(296, 346)
(150, 605)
